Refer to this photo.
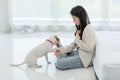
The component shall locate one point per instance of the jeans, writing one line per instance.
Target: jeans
(69, 61)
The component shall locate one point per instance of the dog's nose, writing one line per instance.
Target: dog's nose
(59, 45)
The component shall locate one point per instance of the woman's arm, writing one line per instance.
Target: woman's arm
(68, 48)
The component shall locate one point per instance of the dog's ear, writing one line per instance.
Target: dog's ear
(57, 38)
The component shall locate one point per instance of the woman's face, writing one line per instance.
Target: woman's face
(76, 20)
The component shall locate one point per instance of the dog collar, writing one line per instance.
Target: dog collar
(49, 41)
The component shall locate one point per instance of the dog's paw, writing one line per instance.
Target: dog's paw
(38, 66)
(49, 62)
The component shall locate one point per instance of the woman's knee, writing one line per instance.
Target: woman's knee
(60, 65)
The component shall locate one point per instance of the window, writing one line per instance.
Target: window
(104, 14)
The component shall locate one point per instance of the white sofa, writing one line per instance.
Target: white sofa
(107, 60)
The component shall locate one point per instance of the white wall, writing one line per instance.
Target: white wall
(5, 12)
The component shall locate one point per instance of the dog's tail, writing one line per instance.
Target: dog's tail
(16, 65)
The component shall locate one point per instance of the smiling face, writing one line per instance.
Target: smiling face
(76, 20)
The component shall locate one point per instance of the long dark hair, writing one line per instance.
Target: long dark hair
(81, 13)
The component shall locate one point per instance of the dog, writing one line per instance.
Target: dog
(41, 50)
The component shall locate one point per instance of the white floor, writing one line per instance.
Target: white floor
(14, 48)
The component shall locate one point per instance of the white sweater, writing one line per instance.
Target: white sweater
(86, 46)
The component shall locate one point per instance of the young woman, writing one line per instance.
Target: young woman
(84, 43)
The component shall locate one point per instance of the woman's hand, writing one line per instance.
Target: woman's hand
(57, 52)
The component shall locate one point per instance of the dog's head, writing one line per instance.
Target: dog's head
(55, 40)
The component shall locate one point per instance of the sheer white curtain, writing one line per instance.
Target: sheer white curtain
(54, 14)
(5, 15)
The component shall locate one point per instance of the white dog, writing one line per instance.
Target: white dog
(39, 51)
